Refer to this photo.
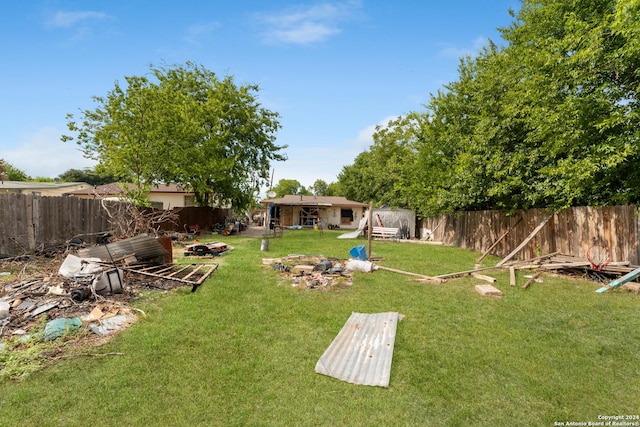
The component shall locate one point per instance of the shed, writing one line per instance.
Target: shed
(397, 218)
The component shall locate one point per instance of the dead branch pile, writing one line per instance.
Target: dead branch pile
(127, 220)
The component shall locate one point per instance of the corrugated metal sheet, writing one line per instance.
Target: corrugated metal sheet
(362, 352)
(397, 218)
(143, 247)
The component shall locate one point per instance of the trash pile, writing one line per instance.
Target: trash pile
(206, 249)
(312, 271)
(319, 272)
(91, 288)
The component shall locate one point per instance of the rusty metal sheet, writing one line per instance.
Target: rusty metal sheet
(362, 351)
(142, 246)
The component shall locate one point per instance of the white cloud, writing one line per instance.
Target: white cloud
(197, 32)
(81, 23)
(305, 33)
(452, 51)
(308, 24)
(62, 19)
(365, 136)
(42, 154)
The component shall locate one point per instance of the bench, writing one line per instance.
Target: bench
(385, 232)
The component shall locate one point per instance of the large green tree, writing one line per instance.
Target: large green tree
(183, 124)
(548, 119)
(289, 186)
(319, 187)
(11, 173)
(382, 173)
(88, 175)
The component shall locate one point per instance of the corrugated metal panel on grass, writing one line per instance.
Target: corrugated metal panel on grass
(362, 352)
(143, 247)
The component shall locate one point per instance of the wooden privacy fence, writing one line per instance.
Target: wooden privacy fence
(571, 231)
(29, 222)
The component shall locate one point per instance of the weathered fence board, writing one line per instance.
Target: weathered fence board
(29, 222)
(571, 231)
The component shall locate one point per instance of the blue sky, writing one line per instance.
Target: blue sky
(333, 70)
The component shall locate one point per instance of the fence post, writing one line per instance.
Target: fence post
(32, 214)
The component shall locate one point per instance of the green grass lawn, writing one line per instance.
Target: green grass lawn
(242, 350)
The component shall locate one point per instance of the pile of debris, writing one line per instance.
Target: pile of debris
(576, 266)
(206, 249)
(312, 271)
(613, 274)
(318, 272)
(92, 288)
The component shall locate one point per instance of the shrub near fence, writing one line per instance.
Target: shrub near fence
(571, 231)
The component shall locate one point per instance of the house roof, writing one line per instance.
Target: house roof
(33, 185)
(300, 200)
(115, 188)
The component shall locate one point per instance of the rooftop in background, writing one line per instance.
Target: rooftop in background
(301, 200)
(115, 188)
(161, 196)
(43, 188)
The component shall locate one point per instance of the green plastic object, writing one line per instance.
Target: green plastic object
(57, 327)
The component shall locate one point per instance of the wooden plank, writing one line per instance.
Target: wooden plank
(195, 270)
(512, 276)
(530, 281)
(464, 273)
(211, 267)
(422, 276)
(620, 281)
(488, 291)
(179, 271)
(483, 277)
(498, 241)
(522, 245)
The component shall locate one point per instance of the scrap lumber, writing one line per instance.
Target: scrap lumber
(525, 241)
(423, 277)
(559, 265)
(206, 269)
(484, 277)
(498, 241)
(620, 281)
(488, 291)
(533, 261)
(512, 276)
(531, 280)
(464, 273)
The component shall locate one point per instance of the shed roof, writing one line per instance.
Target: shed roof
(301, 200)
